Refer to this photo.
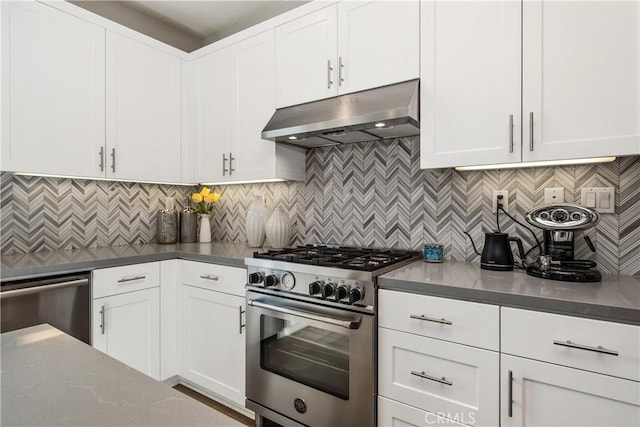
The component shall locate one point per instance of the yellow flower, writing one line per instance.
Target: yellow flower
(205, 191)
(209, 198)
(215, 197)
(197, 197)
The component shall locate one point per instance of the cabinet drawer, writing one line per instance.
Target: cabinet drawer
(572, 341)
(128, 278)
(222, 278)
(463, 322)
(392, 413)
(439, 376)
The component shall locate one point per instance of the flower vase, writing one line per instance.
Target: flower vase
(278, 229)
(205, 228)
(257, 216)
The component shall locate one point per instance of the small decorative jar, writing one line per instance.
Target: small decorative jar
(433, 252)
(205, 228)
(278, 229)
(167, 224)
(188, 224)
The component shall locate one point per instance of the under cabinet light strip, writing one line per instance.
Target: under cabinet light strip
(88, 178)
(249, 181)
(536, 164)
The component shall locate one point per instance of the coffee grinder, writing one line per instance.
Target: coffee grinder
(559, 223)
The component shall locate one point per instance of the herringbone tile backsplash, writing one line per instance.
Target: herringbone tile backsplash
(371, 194)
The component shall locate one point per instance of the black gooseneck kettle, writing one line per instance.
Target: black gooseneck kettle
(496, 253)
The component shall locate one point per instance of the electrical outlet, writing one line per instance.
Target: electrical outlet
(553, 196)
(504, 201)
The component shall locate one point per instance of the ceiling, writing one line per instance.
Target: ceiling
(189, 25)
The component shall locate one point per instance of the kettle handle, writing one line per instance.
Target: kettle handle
(520, 247)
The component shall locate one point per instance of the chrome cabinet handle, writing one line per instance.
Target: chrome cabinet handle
(442, 380)
(240, 325)
(340, 67)
(113, 160)
(131, 279)
(102, 320)
(209, 277)
(231, 159)
(329, 70)
(38, 289)
(101, 154)
(598, 349)
(511, 133)
(431, 319)
(510, 410)
(531, 131)
(224, 164)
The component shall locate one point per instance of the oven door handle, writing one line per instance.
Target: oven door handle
(348, 324)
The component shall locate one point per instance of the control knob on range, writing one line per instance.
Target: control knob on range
(328, 290)
(255, 278)
(315, 287)
(355, 295)
(342, 292)
(270, 280)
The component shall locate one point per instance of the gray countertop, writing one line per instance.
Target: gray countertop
(616, 298)
(52, 379)
(37, 264)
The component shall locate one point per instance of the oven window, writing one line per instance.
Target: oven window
(306, 354)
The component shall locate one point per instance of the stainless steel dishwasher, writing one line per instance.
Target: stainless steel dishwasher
(61, 301)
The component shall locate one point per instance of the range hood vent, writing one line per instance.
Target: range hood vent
(371, 115)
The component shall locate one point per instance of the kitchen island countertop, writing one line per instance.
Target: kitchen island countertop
(616, 298)
(52, 379)
(39, 264)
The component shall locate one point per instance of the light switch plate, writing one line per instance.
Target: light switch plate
(553, 196)
(602, 199)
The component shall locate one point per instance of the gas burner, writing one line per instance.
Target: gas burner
(354, 258)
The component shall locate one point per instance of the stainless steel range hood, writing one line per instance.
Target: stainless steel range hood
(386, 112)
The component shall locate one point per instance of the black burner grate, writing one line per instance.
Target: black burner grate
(354, 258)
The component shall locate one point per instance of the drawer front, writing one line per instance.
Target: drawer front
(452, 320)
(572, 341)
(128, 278)
(221, 278)
(396, 414)
(439, 376)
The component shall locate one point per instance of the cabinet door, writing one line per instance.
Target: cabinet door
(544, 394)
(581, 79)
(470, 83)
(127, 328)
(254, 61)
(378, 43)
(396, 414)
(213, 343)
(143, 112)
(214, 106)
(53, 91)
(306, 58)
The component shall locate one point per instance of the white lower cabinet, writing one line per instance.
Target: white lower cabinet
(127, 327)
(211, 331)
(543, 394)
(396, 414)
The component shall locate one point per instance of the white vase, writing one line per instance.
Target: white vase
(278, 229)
(257, 216)
(205, 228)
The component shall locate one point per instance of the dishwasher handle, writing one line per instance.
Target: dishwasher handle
(37, 289)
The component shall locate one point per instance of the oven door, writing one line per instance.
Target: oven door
(311, 363)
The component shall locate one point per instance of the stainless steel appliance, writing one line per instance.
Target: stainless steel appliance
(61, 301)
(496, 253)
(559, 223)
(311, 323)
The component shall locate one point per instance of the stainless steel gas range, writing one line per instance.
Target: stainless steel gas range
(311, 322)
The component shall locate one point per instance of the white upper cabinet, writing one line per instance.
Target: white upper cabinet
(143, 112)
(52, 91)
(581, 79)
(470, 83)
(378, 43)
(234, 98)
(348, 47)
(306, 57)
